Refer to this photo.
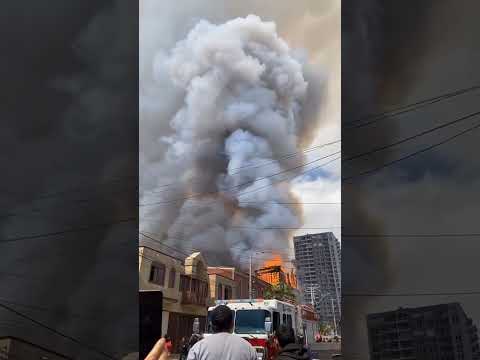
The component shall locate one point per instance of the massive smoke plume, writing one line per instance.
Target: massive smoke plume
(243, 101)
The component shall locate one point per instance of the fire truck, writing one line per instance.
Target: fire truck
(256, 321)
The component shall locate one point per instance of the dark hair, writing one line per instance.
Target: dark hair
(166, 337)
(222, 319)
(285, 335)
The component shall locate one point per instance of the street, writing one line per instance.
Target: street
(324, 351)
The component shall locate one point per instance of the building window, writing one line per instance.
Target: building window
(219, 292)
(289, 321)
(171, 278)
(228, 292)
(157, 274)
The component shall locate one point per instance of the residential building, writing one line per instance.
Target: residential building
(275, 275)
(14, 348)
(222, 286)
(437, 332)
(241, 280)
(317, 258)
(184, 283)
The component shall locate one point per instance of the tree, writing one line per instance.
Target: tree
(280, 292)
(325, 329)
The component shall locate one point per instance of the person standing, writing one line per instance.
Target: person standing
(290, 350)
(222, 345)
(183, 348)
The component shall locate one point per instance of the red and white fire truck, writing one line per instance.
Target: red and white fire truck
(256, 321)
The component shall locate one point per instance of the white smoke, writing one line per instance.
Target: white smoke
(233, 99)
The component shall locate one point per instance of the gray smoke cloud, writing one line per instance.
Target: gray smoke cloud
(236, 99)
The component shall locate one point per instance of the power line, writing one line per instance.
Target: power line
(67, 231)
(68, 337)
(257, 251)
(160, 242)
(95, 317)
(296, 175)
(351, 157)
(409, 138)
(442, 235)
(254, 190)
(143, 218)
(410, 107)
(425, 132)
(250, 182)
(412, 294)
(290, 203)
(37, 211)
(270, 227)
(377, 117)
(290, 155)
(79, 187)
(450, 138)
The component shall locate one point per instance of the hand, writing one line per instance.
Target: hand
(159, 351)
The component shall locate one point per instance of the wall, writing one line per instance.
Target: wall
(19, 349)
(171, 296)
(215, 280)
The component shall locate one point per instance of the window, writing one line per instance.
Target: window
(228, 292)
(250, 321)
(171, 278)
(184, 283)
(157, 274)
(276, 320)
(289, 321)
(219, 292)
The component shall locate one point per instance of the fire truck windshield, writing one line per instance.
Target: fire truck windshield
(250, 321)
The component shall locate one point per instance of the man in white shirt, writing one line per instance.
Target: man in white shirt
(222, 345)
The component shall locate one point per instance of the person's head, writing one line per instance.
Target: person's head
(285, 335)
(222, 319)
(166, 337)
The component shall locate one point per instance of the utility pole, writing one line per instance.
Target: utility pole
(334, 319)
(250, 294)
(312, 296)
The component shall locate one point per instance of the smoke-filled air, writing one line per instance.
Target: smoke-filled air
(230, 109)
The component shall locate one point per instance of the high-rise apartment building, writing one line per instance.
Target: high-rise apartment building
(437, 332)
(317, 258)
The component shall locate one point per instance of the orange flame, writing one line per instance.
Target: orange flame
(275, 261)
(277, 277)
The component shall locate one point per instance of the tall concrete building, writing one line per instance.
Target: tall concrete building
(435, 332)
(317, 258)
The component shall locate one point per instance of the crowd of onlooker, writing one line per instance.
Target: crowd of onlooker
(223, 345)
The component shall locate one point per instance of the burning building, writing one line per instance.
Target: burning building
(274, 273)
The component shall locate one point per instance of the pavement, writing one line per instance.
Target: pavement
(325, 350)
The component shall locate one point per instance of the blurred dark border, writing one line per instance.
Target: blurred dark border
(69, 160)
(410, 175)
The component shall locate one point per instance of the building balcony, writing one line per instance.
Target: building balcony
(193, 298)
